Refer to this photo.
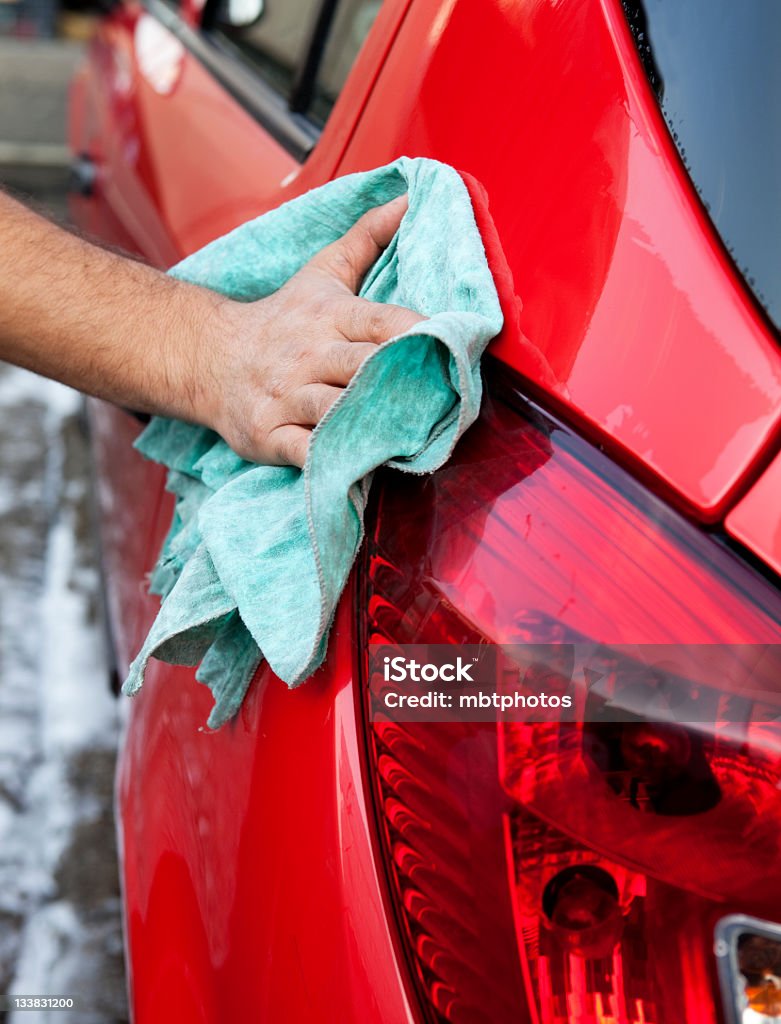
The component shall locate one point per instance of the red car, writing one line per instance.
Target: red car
(307, 863)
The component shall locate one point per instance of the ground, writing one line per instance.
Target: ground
(60, 930)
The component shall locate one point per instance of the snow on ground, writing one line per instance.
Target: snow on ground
(60, 932)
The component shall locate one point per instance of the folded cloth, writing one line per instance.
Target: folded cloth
(257, 556)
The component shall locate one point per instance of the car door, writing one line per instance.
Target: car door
(182, 131)
(185, 122)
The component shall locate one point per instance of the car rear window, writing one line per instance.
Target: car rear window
(715, 68)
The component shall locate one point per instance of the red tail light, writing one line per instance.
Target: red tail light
(565, 872)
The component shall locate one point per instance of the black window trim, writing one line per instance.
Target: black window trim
(291, 129)
(303, 91)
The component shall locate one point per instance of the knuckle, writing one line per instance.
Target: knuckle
(277, 387)
(300, 449)
(304, 353)
(343, 360)
(369, 321)
(327, 399)
(379, 326)
(288, 448)
(249, 438)
(321, 405)
(256, 432)
(351, 317)
(343, 260)
(363, 352)
(319, 307)
(363, 320)
(242, 444)
(363, 232)
(280, 452)
(310, 350)
(367, 227)
(278, 445)
(309, 407)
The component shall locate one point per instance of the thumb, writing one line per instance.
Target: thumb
(351, 257)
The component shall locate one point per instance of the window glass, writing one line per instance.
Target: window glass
(276, 41)
(276, 36)
(351, 25)
(714, 66)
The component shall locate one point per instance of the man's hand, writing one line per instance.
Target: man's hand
(262, 373)
(279, 364)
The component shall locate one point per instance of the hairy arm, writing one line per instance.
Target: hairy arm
(262, 374)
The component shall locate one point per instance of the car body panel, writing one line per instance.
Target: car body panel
(251, 885)
(640, 329)
(214, 894)
(178, 162)
(128, 493)
(756, 520)
(622, 312)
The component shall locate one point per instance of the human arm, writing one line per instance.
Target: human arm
(261, 374)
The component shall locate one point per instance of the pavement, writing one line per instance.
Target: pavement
(60, 929)
(34, 76)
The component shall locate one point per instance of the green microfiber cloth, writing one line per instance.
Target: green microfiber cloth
(257, 556)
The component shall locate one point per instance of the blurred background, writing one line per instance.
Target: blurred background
(60, 930)
(46, 19)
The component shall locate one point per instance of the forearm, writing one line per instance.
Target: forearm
(261, 373)
(98, 321)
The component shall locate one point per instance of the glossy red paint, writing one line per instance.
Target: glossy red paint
(227, 846)
(128, 492)
(175, 169)
(252, 891)
(252, 886)
(181, 165)
(643, 332)
(756, 521)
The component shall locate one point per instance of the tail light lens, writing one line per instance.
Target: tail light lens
(565, 872)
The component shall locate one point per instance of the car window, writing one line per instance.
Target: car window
(281, 44)
(351, 25)
(714, 67)
(276, 40)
